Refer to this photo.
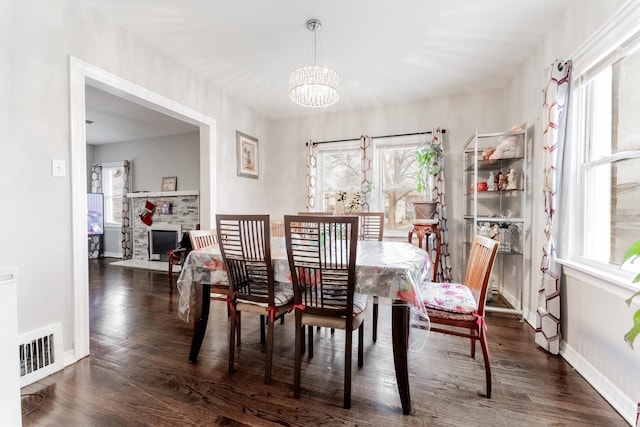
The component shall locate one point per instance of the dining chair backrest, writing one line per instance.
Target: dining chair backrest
(202, 238)
(322, 259)
(305, 213)
(245, 246)
(371, 225)
(481, 257)
(277, 228)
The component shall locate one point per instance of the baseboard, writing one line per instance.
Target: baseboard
(612, 394)
(112, 255)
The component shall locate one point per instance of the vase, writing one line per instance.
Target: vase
(425, 210)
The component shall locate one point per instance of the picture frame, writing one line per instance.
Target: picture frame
(169, 183)
(247, 155)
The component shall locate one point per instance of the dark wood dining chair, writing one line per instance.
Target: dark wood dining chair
(178, 255)
(246, 249)
(371, 227)
(322, 258)
(458, 309)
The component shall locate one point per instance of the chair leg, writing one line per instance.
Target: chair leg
(298, 355)
(473, 344)
(347, 368)
(232, 346)
(262, 336)
(487, 361)
(361, 345)
(269, 356)
(170, 274)
(238, 327)
(310, 341)
(374, 325)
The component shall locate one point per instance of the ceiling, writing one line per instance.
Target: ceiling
(385, 51)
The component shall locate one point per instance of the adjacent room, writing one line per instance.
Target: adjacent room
(303, 213)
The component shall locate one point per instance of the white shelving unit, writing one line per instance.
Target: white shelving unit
(498, 210)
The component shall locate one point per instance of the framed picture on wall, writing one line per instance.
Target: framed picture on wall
(248, 161)
(169, 183)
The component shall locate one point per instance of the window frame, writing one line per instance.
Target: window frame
(614, 41)
(110, 166)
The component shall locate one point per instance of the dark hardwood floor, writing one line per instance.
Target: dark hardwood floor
(138, 373)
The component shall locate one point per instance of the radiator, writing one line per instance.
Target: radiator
(40, 353)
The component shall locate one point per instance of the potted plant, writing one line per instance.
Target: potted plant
(428, 160)
(632, 254)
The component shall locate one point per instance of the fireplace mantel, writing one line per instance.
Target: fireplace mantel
(163, 193)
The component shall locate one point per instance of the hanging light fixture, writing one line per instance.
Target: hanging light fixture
(314, 85)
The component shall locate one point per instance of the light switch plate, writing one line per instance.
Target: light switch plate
(58, 168)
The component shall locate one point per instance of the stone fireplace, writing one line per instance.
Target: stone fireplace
(181, 216)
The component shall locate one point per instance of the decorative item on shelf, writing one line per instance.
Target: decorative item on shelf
(163, 207)
(490, 230)
(503, 181)
(428, 159)
(483, 186)
(147, 213)
(504, 237)
(512, 180)
(491, 184)
(506, 148)
(314, 85)
(169, 183)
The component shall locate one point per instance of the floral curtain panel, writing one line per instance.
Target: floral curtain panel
(366, 149)
(444, 267)
(556, 96)
(125, 231)
(312, 173)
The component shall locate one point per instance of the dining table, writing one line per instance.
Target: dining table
(391, 271)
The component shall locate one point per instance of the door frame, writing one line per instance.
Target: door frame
(81, 74)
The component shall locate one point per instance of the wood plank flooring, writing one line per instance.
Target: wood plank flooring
(138, 373)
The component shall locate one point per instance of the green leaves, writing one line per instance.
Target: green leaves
(632, 255)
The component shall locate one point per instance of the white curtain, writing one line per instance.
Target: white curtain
(556, 97)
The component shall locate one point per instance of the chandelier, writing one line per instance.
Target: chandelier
(314, 85)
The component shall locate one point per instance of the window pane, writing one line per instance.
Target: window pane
(340, 171)
(112, 187)
(627, 102)
(610, 233)
(398, 167)
(398, 207)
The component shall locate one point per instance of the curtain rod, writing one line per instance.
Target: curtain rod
(382, 136)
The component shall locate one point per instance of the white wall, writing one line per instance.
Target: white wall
(460, 115)
(36, 220)
(594, 316)
(154, 158)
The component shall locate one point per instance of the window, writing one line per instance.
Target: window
(338, 171)
(393, 177)
(608, 95)
(394, 169)
(112, 187)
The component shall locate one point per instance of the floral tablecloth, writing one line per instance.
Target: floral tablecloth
(385, 269)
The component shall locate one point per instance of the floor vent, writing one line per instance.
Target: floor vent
(40, 353)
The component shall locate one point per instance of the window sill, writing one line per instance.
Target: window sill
(604, 276)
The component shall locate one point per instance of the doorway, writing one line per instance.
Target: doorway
(81, 74)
